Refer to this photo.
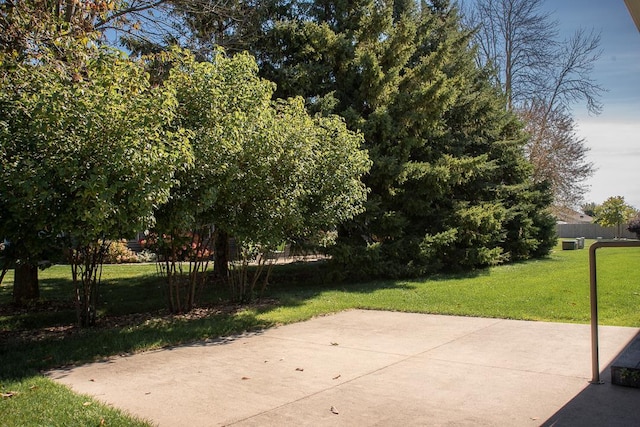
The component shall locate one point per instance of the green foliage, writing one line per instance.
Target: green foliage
(450, 187)
(88, 148)
(118, 253)
(589, 209)
(613, 212)
(264, 171)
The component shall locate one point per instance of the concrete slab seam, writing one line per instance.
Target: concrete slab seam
(404, 359)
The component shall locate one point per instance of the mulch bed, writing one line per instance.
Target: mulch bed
(59, 332)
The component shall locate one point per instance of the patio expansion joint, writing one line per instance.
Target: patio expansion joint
(404, 358)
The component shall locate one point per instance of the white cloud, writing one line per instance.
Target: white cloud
(615, 150)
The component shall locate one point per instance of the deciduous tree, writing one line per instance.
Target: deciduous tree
(88, 148)
(42, 31)
(264, 171)
(613, 212)
(634, 225)
(542, 78)
(558, 154)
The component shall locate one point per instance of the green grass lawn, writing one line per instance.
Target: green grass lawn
(132, 318)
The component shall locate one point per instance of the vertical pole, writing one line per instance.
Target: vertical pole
(593, 296)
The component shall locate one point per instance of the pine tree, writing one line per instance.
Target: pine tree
(450, 187)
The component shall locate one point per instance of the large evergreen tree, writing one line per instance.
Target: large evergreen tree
(450, 187)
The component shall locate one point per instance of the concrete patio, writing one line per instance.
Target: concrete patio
(374, 368)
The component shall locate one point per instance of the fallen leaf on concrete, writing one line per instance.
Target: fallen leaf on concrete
(334, 410)
(92, 380)
(334, 343)
(300, 369)
(246, 378)
(337, 376)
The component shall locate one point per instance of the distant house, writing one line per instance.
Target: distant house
(566, 215)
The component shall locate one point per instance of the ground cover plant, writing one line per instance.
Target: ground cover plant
(132, 316)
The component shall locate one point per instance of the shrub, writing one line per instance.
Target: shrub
(146, 256)
(634, 226)
(119, 253)
(187, 246)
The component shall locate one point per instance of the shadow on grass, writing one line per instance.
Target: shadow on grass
(132, 317)
(24, 357)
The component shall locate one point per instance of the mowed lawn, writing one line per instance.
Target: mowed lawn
(555, 289)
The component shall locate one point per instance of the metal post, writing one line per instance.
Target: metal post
(593, 295)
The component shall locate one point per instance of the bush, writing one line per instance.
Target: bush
(370, 262)
(187, 246)
(146, 256)
(119, 253)
(634, 226)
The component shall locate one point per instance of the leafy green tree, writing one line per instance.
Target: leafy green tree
(222, 102)
(613, 212)
(450, 187)
(88, 148)
(34, 31)
(264, 171)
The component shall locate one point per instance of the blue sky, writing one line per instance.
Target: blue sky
(613, 136)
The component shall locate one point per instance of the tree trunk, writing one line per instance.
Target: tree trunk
(25, 284)
(221, 262)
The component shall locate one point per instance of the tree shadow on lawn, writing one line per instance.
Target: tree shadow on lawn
(318, 276)
(294, 284)
(133, 317)
(24, 356)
